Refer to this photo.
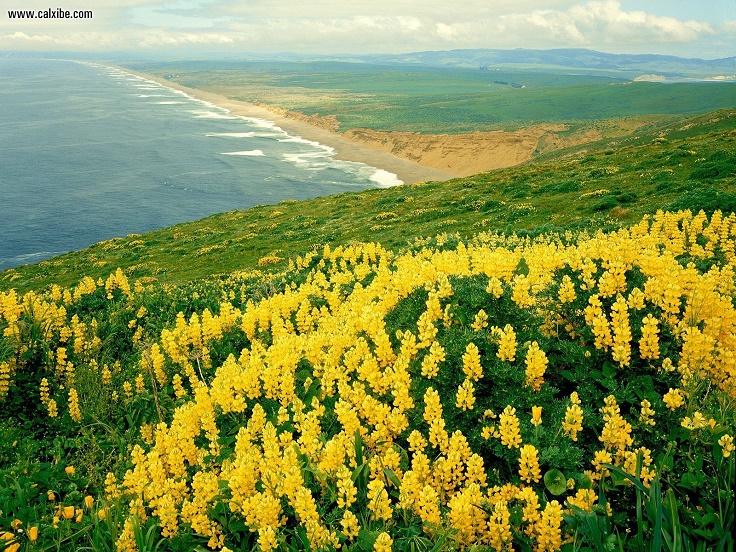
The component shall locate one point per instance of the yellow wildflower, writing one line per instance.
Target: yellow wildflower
(465, 395)
(383, 543)
(536, 364)
(529, 464)
(727, 446)
(508, 428)
(536, 415)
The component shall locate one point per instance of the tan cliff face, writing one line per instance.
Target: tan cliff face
(461, 154)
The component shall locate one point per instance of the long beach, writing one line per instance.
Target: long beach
(407, 171)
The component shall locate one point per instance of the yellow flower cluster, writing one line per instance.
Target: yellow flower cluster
(536, 364)
(727, 446)
(573, 422)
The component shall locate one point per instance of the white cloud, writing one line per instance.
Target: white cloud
(163, 38)
(380, 26)
(593, 24)
(20, 36)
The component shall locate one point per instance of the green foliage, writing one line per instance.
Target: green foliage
(707, 199)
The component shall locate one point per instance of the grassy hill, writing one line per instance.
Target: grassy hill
(468, 365)
(688, 164)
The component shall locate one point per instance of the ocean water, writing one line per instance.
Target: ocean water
(88, 153)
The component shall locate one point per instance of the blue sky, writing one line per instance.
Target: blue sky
(690, 28)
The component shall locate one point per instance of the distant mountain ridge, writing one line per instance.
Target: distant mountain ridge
(622, 65)
(670, 66)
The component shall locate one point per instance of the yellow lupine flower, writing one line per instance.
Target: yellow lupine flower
(674, 398)
(621, 350)
(494, 287)
(480, 321)
(536, 364)
(508, 428)
(529, 464)
(140, 384)
(370, 382)
(649, 342)
(548, 533)
(507, 343)
(428, 505)
(350, 525)
(499, 526)
(465, 395)
(383, 543)
(573, 422)
(584, 499)
(566, 293)
(646, 414)
(471, 362)
(727, 446)
(378, 501)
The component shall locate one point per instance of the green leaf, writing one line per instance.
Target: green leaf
(392, 477)
(689, 481)
(609, 370)
(583, 481)
(555, 481)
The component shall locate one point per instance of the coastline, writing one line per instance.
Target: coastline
(345, 150)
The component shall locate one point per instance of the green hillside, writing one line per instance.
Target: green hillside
(689, 164)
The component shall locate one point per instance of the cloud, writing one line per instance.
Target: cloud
(164, 38)
(326, 26)
(607, 19)
(589, 25)
(506, 25)
(30, 38)
(69, 40)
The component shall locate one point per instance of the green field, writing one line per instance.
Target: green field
(443, 100)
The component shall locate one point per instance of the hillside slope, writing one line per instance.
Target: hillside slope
(690, 164)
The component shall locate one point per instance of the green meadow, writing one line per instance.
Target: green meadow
(443, 99)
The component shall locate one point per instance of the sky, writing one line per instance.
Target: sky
(188, 28)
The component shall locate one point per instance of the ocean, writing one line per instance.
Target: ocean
(89, 152)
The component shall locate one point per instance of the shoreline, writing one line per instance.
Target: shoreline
(407, 171)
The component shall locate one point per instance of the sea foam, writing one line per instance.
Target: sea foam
(248, 153)
(385, 179)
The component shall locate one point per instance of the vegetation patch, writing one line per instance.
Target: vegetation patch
(488, 393)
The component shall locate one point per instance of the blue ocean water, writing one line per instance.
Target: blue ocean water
(89, 153)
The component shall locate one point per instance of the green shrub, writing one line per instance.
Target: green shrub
(706, 199)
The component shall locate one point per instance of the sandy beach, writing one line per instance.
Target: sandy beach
(347, 150)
